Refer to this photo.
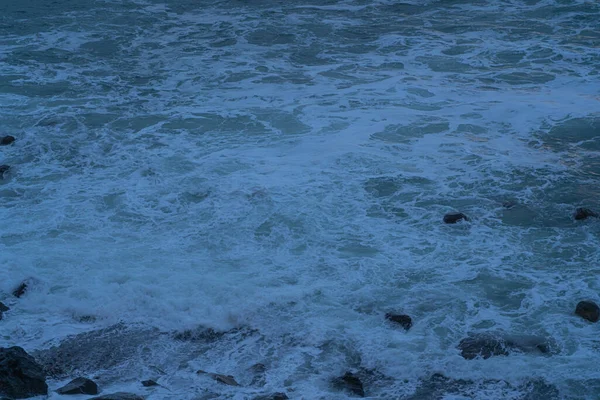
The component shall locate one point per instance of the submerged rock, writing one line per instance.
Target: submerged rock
(79, 386)
(20, 376)
(149, 383)
(487, 345)
(350, 383)
(452, 218)
(588, 310)
(225, 379)
(6, 140)
(118, 396)
(274, 396)
(3, 170)
(583, 213)
(403, 320)
(3, 307)
(20, 290)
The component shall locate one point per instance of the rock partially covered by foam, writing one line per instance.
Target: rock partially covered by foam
(403, 320)
(6, 140)
(588, 310)
(3, 170)
(350, 383)
(3, 308)
(118, 396)
(274, 396)
(79, 386)
(583, 213)
(20, 376)
(454, 217)
(486, 345)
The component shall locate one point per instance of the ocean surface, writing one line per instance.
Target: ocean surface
(279, 170)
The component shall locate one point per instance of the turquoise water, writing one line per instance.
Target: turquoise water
(284, 167)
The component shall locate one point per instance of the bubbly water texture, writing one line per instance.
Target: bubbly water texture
(283, 167)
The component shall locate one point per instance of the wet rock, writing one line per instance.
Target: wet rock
(200, 334)
(225, 379)
(3, 307)
(274, 396)
(259, 378)
(89, 352)
(79, 386)
(118, 396)
(350, 383)
(484, 346)
(487, 345)
(509, 204)
(583, 213)
(403, 320)
(20, 376)
(452, 218)
(588, 310)
(258, 368)
(6, 140)
(20, 290)
(149, 383)
(3, 170)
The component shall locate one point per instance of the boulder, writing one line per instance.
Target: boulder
(20, 290)
(3, 170)
(403, 320)
(6, 140)
(149, 383)
(349, 382)
(274, 396)
(452, 218)
(225, 379)
(583, 213)
(20, 376)
(79, 386)
(118, 396)
(588, 310)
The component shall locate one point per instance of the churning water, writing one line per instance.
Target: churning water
(279, 170)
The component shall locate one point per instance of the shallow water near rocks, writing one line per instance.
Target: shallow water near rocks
(278, 172)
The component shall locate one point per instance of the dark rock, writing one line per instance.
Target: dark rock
(508, 204)
(3, 307)
(583, 213)
(225, 379)
(6, 140)
(487, 345)
(200, 334)
(20, 290)
(274, 396)
(118, 396)
(79, 386)
(452, 218)
(404, 320)
(20, 376)
(484, 346)
(149, 383)
(349, 382)
(588, 310)
(3, 170)
(258, 368)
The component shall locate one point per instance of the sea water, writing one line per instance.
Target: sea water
(281, 169)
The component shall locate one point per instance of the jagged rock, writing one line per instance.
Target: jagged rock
(20, 376)
(403, 320)
(274, 396)
(588, 310)
(3, 170)
(452, 218)
(149, 383)
(118, 396)
(6, 140)
(20, 290)
(225, 379)
(79, 386)
(349, 382)
(486, 345)
(583, 213)
(3, 307)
